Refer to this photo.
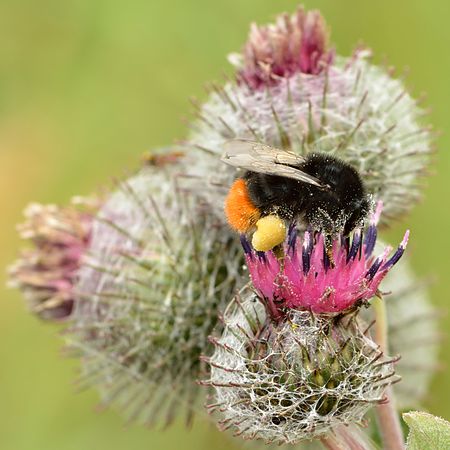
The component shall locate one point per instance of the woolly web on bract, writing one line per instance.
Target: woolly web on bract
(149, 291)
(354, 111)
(296, 380)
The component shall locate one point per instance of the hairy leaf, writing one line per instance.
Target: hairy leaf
(427, 432)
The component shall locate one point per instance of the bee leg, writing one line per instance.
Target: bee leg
(329, 250)
(278, 250)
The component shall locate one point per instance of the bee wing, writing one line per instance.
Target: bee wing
(257, 157)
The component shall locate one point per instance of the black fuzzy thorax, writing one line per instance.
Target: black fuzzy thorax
(343, 199)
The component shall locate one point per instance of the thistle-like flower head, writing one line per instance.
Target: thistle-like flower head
(306, 363)
(159, 268)
(47, 272)
(297, 43)
(307, 279)
(352, 110)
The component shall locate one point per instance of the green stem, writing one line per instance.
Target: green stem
(388, 419)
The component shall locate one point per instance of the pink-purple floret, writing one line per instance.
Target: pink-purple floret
(306, 279)
(294, 44)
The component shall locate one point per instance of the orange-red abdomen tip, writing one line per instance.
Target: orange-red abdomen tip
(241, 213)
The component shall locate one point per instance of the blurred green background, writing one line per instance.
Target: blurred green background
(86, 86)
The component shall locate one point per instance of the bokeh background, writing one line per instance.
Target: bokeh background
(86, 86)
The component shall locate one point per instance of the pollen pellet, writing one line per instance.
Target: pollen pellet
(271, 231)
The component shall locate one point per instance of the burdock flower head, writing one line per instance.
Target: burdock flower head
(159, 268)
(291, 93)
(46, 273)
(297, 43)
(295, 360)
(294, 379)
(307, 278)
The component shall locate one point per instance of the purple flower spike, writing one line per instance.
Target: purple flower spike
(305, 280)
(246, 246)
(371, 235)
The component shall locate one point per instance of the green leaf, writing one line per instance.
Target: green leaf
(427, 432)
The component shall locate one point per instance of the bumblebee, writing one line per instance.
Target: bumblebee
(279, 186)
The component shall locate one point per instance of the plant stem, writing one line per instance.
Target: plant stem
(343, 439)
(388, 419)
(330, 443)
(351, 440)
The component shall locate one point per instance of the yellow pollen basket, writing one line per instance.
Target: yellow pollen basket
(270, 232)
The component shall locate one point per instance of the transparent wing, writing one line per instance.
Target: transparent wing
(257, 157)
